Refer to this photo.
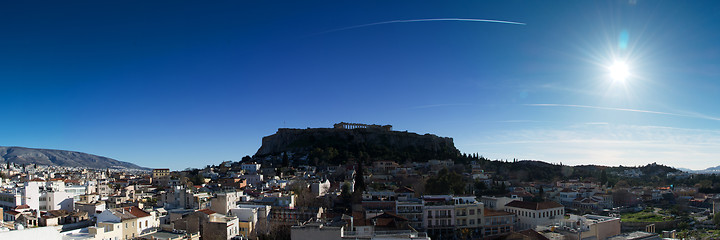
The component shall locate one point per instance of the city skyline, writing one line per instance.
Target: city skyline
(178, 85)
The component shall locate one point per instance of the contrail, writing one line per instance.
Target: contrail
(423, 20)
(626, 110)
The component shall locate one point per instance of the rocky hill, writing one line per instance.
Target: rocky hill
(374, 143)
(50, 157)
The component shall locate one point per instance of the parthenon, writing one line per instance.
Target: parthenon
(344, 125)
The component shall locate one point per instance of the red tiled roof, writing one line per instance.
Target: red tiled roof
(206, 211)
(137, 212)
(490, 213)
(12, 212)
(24, 206)
(521, 194)
(404, 190)
(533, 235)
(390, 216)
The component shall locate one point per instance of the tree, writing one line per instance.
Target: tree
(285, 160)
(603, 177)
(541, 195)
(303, 196)
(345, 192)
(716, 219)
(446, 182)
(266, 229)
(359, 179)
(246, 158)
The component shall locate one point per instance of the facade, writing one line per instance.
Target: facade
(497, 203)
(250, 167)
(247, 219)
(134, 221)
(220, 227)
(496, 223)
(412, 210)
(92, 208)
(76, 191)
(532, 214)
(10, 199)
(439, 215)
(209, 224)
(179, 197)
(469, 215)
(160, 172)
(45, 197)
(102, 231)
(292, 215)
(223, 202)
(319, 187)
(253, 179)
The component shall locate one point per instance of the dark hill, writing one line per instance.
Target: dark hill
(327, 144)
(50, 157)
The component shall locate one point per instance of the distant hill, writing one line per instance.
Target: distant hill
(717, 168)
(335, 145)
(50, 157)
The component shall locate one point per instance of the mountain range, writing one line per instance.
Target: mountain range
(51, 157)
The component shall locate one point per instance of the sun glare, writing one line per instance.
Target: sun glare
(619, 71)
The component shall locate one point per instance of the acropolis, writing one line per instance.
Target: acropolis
(344, 125)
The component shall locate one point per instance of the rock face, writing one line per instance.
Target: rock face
(375, 142)
(50, 157)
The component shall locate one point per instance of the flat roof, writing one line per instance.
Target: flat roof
(166, 235)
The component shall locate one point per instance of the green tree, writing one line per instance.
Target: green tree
(285, 160)
(446, 182)
(603, 177)
(345, 192)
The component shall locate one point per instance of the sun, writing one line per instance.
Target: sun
(619, 71)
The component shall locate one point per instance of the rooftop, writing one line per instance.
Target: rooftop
(534, 205)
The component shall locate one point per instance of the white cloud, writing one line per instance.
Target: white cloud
(607, 144)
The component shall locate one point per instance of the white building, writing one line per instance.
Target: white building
(223, 202)
(253, 179)
(250, 167)
(103, 231)
(532, 214)
(11, 199)
(320, 188)
(44, 233)
(567, 196)
(497, 203)
(134, 221)
(76, 191)
(46, 197)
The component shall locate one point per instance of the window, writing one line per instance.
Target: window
(472, 212)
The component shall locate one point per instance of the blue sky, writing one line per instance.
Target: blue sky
(184, 84)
